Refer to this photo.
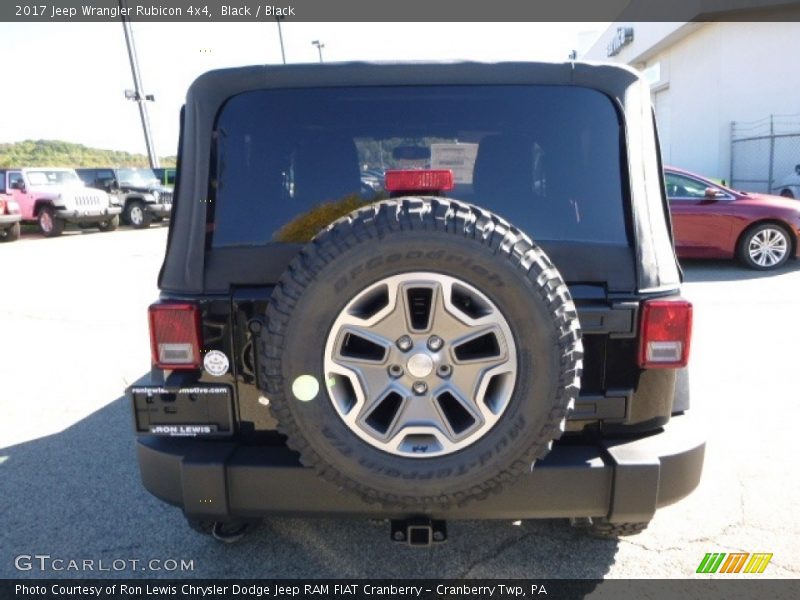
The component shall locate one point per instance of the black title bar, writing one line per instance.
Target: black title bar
(722, 587)
(209, 11)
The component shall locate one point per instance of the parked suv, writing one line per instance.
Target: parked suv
(136, 190)
(166, 176)
(9, 219)
(502, 340)
(53, 197)
(789, 187)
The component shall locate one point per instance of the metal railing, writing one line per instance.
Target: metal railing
(764, 152)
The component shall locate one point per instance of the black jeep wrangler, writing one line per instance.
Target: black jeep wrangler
(497, 333)
(137, 191)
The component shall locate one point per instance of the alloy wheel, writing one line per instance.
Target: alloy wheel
(420, 364)
(768, 247)
(136, 215)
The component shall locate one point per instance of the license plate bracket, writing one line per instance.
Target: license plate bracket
(187, 411)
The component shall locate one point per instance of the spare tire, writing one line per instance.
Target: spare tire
(421, 352)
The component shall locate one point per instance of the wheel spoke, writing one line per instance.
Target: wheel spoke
(450, 322)
(484, 346)
(457, 412)
(418, 302)
(362, 343)
(364, 355)
(382, 411)
(417, 413)
(392, 321)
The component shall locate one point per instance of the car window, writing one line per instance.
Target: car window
(54, 177)
(13, 177)
(86, 175)
(680, 186)
(547, 158)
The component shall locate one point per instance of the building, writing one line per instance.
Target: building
(706, 76)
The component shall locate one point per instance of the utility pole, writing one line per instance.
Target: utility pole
(137, 94)
(319, 46)
(280, 37)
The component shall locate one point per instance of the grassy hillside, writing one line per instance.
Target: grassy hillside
(55, 153)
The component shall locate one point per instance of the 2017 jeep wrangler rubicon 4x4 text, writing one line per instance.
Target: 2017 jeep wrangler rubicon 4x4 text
(497, 332)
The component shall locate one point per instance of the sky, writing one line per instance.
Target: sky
(69, 79)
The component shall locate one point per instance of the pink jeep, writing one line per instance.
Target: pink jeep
(53, 197)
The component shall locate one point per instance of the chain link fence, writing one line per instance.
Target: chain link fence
(764, 153)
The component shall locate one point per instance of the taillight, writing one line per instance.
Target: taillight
(419, 180)
(175, 338)
(665, 334)
(2, 207)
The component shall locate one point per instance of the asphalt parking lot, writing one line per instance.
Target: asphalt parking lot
(73, 334)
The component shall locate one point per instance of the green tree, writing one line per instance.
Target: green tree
(58, 153)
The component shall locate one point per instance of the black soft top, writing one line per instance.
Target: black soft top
(184, 268)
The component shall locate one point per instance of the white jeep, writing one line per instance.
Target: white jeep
(53, 197)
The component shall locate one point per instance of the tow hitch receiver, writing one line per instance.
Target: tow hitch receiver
(419, 531)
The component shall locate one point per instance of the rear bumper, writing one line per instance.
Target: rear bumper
(624, 480)
(8, 220)
(94, 216)
(159, 210)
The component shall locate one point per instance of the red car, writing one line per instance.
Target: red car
(710, 220)
(9, 219)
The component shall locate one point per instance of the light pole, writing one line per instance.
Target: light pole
(136, 93)
(319, 46)
(280, 37)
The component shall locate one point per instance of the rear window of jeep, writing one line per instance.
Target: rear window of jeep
(289, 161)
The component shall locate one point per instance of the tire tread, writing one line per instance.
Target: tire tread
(602, 528)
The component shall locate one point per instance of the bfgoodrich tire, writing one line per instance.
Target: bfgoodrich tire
(421, 352)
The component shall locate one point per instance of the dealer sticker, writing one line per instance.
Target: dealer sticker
(216, 363)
